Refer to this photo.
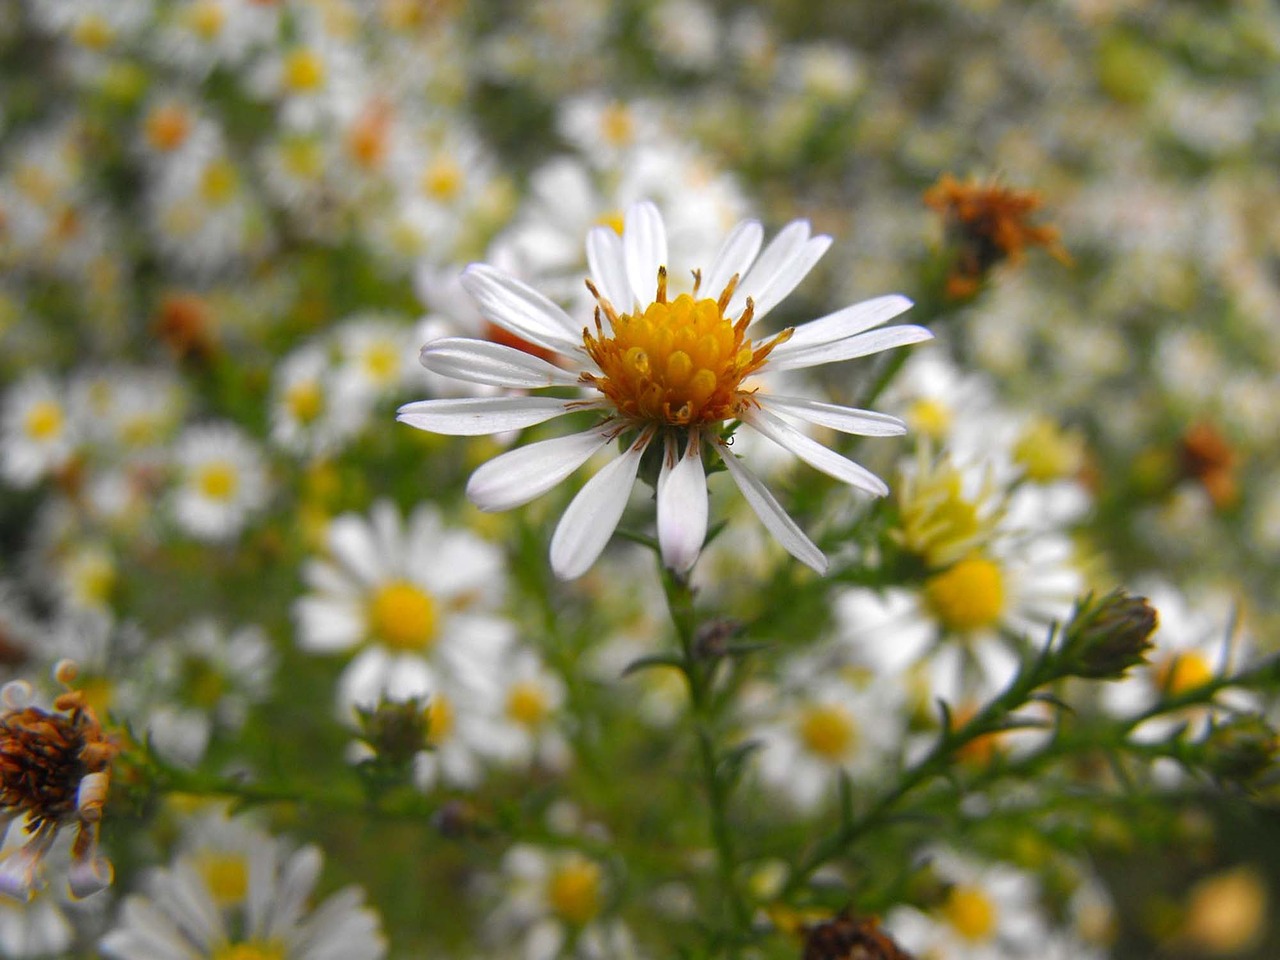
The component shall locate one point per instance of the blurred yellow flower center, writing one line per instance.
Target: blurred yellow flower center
(226, 875)
(971, 913)
(527, 703)
(616, 125)
(439, 719)
(613, 220)
(305, 401)
(381, 361)
(930, 418)
(167, 127)
(218, 480)
(139, 430)
(828, 731)
(1047, 452)
(93, 31)
(403, 616)
(574, 891)
(44, 420)
(93, 577)
(969, 596)
(677, 363)
(1184, 672)
(257, 950)
(206, 18)
(443, 179)
(302, 158)
(218, 182)
(303, 71)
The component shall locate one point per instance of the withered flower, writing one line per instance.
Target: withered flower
(987, 224)
(55, 771)
(1206, 456)
(848, 938)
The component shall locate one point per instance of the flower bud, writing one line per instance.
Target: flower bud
(1106, 637)
(396, 730)
(1242, 749)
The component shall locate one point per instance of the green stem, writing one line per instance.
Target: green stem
(699, 675)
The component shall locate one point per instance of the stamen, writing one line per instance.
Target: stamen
(727, 294)
(662, 285)
(697, 283)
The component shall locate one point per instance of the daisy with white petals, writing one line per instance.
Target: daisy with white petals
(666, 374)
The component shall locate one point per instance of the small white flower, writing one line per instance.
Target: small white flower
(669, 375)
(223, 481)
(40, 432)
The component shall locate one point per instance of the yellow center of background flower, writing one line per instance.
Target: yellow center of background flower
(931, 418)
(381, 361)
(303, 71)
(1047, 452)
(167, 127)
(206, 18)
(44, 420)
(257, 950)
(226, 875)
(527, 703)
(439, 719)
(679, 363)
(302, 158)
(93, 32)
(442, 180)
(218, 480)
(305, 401)
(574, 891)
(971, 913)
(218, 182)
(969, 596)
(403, 616)
(1184, 672)
(828, 731)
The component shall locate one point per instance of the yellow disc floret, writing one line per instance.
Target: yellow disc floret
(43, 420)
(573, 890)
(225, 874)
(218, 480)
(828, 731)
(971, 913)
(968, 596)
(403, 616)
(305, 401)
(527, 703)
(1184, 672)
(677, 363)
(256, 950)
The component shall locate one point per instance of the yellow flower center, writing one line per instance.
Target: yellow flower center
(256, 950)
(139, 430)
(167, 127)
(971, 913)
(305, 401)
(613, 220)
(443, 179)
(93, 32)
(44, 421)
(1047, 452)
(439, 719)
(828, 731)
(403, 616)
(929, 418)
(969, 596)
(206, 18)
(617, 125)
(574, 890)
(302, 158)
(303, 71)
(1184, 672)
(678, 363)
(381, 361)
(218, 182)
(218, 480)
(226, 875)
(527, 703)
(93, 577)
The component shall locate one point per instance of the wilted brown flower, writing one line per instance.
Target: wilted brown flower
(987, 224)
(185, 323)
(847, 938)
(54, 772)
(1207, 456)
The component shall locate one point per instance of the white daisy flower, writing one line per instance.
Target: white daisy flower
(40, 432)
(223, 481)
(257, 911)
(416, 598)
(312, 413)
(672, 371)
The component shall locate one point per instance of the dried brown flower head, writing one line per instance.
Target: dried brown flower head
(54, 772)
(987, 224)
(1206, 456)
(847, 938)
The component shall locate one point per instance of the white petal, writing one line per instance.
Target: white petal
(608, 266)
(814, 453)
(519, 308)
(775, 519)
(482, 361)
(682, 506)
(781, 248)
(846, 322)
(734, 256)
(477, 416)
(644, 242)
(591, 518)
(790, 274)
(518, 476)
(862, 423)
(860, 345)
